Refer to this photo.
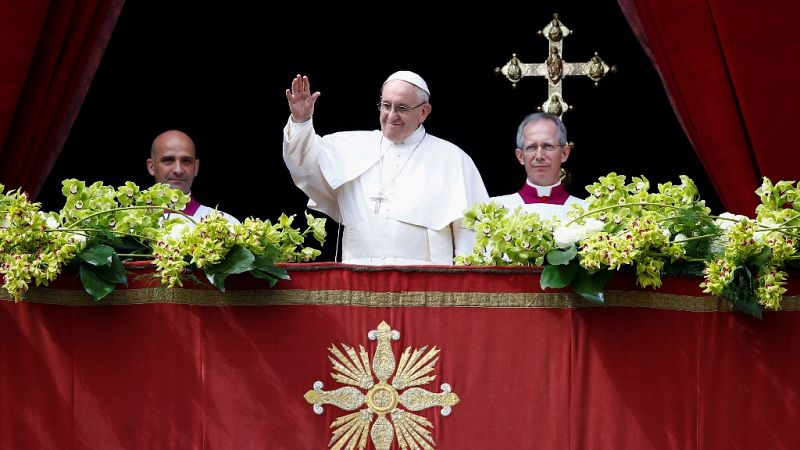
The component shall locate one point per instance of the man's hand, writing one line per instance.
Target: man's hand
(301, 100)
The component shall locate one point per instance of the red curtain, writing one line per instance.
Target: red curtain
(49, 52)
(729, 70)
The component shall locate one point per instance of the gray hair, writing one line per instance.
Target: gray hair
(561, 130)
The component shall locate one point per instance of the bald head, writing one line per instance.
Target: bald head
(173, 160)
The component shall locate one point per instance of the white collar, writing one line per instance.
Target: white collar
(543, 191)
(415, 137)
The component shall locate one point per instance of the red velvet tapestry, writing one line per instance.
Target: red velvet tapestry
(196, 368)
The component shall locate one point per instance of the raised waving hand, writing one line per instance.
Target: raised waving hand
(301, 100)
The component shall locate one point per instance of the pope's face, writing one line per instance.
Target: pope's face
(397, 125)
(173, 162)
(541, 153)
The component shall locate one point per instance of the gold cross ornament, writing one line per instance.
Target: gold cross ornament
(555, 68)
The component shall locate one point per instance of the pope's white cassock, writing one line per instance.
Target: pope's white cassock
(399, 202)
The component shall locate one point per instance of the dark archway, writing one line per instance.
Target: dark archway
(219, 74)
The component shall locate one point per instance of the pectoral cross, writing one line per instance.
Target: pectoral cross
(554, 68)
(378, 200)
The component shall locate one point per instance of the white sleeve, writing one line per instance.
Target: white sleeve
(301, 153)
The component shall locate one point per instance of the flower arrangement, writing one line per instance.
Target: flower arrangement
(99, 228)
(671, 231)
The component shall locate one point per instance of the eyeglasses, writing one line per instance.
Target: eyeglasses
(399, 109)
(546, 147)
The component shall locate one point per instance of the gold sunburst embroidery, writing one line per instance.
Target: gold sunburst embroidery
(379, 402)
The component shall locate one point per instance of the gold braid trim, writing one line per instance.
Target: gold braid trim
(638, 299)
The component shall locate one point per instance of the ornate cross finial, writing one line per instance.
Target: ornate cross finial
(555, 68)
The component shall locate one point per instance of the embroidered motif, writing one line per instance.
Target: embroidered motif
(386, 401)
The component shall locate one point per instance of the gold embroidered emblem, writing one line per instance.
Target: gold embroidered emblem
(382, 400)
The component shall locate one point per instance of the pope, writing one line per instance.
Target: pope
(399, 192)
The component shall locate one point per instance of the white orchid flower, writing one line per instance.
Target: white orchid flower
(732, 219)
(593, 225)
(52, 222)
(568, 235)
(178, 229)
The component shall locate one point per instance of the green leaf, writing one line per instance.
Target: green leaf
(271, 253)
(683, 269)
(265, 264)
(557, 276)
(114, 273)
(749, 306)
(97, 254)
(590, 285)
(264, 276)
(741, 292)
(265, 268)
(238, 260)
(559, 256)
(762, 258)
(217, 279)
(272, 269)
(93, 283)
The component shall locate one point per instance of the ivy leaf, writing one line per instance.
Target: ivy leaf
(97, 254)
(590, 285)
(557, 276)
(559, 256)
(93, 283)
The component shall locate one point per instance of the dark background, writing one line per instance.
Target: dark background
(219, 74)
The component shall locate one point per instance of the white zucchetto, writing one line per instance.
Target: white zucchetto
(409, 77)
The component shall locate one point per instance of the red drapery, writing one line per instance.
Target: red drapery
(729, 70)
(49, 52)
(530, 374)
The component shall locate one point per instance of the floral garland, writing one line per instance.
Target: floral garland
(669, 231)
(624, 227)
(100, 227)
